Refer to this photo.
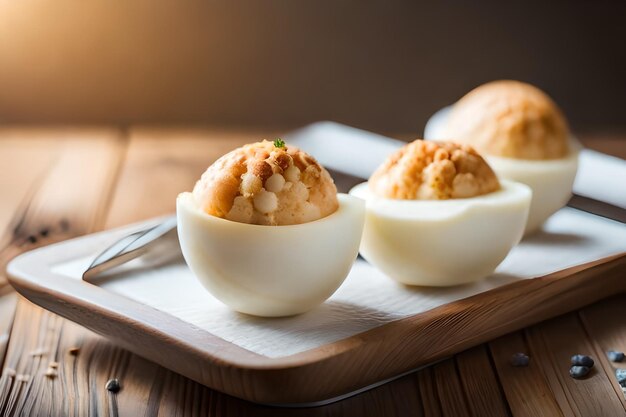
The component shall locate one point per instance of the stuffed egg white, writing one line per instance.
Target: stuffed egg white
(436, 215)
(522, 134)
(265, 231)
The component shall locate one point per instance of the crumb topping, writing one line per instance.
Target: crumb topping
(428, 170)
(267, 183)
(510, 119)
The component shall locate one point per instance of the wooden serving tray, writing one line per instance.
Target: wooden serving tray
(370, 331)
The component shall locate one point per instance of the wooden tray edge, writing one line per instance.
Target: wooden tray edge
(236, 371)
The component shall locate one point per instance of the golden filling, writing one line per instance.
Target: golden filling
(267, 183)
(510, 119)
(427, 170)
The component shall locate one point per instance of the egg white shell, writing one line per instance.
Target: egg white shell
(550, 180)
(434, 126)
(443, 242)
(270, 271)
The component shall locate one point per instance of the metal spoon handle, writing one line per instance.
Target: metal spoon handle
(132, 246)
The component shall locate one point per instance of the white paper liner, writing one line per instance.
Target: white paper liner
(367, 298)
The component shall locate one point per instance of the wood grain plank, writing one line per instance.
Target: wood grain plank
(161, 163)
(26, 153)
(479, 381)
(449, 390)
(77, 386)
(67, 191)
(398, 398)
(553, 343)
(428, 392)
(527, 391)
(605, 324)
(66, 199)
(7, 308)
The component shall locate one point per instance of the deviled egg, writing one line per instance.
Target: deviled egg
(524, 137)
(437, 215)
(265, 231)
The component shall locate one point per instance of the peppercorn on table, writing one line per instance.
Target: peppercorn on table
(64, 182)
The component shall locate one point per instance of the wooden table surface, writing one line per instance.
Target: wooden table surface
(57, 183)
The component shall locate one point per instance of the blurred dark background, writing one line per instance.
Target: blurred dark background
(381, 65)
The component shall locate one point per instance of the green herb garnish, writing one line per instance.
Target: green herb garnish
(279, 143)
